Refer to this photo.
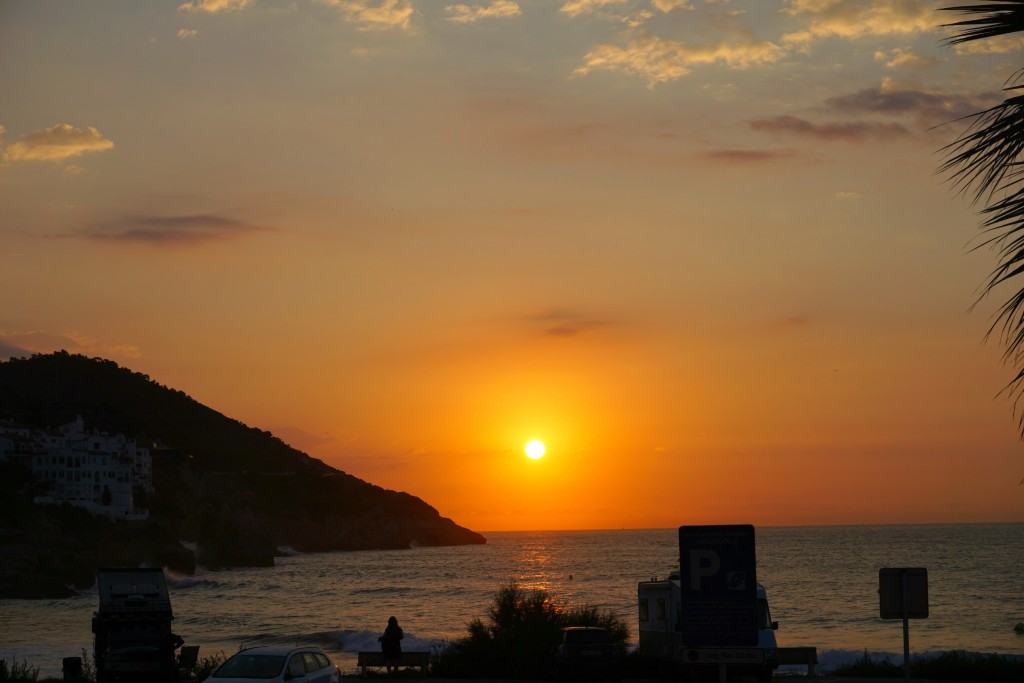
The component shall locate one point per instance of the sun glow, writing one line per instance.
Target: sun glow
(535, 449)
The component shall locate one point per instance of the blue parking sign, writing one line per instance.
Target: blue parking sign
(718, 581)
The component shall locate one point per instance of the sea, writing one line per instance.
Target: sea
(822, 585)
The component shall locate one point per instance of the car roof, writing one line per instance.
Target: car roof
(277, 650)
(584, 628)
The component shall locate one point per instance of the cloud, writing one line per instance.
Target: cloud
(848, 131)
(214, 6)
(21, 344)
(8, 351)
(993, 45)
(847, 196)
(186, 33)
(748, 156)
(301, 439)
(929, 107)
(564, 324)
(926, 108)
(575, 8)
(667, 6)
(173, 230)
(899, 57)
(379, 15)
(61, 142)
(659, 60)
(852, 19)
(466, 14)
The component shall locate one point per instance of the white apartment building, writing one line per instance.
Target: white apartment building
(95, 471)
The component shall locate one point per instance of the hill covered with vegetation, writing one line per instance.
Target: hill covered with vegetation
(235, 492)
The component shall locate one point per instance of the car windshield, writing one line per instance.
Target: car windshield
(251, 666)
(587, 636)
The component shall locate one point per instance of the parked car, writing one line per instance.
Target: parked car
(308, 664)
(587, 652)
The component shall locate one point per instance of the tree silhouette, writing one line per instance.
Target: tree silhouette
(987, 162)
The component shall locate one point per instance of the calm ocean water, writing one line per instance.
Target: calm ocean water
(821, 581)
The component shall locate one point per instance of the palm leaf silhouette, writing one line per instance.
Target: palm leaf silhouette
(987, 162)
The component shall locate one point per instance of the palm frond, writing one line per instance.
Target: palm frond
(988, 155)
(997, 18)
(987, 161)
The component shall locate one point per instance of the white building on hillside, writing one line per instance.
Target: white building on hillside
(96, 471)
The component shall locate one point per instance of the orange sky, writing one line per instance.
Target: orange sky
(699, 248)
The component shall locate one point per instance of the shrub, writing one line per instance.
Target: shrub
(865, 667)
(22, 673)
(971, 666)
(950, 666)
(205, 665)
(520, 637)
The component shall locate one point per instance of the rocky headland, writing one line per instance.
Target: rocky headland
(225, 494)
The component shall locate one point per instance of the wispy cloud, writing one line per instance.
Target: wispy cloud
(659, 60)
(928, 107)
(859, 18)
(214, 6)
(995, 45)
(172, 230)
(904, 57)
(186, 33)
(58, 143)
(575, 8)
(8, 351)
(667, 6)
(564, 323)
(748, 156)
(470, 14)
(849, 131)
(374, 16)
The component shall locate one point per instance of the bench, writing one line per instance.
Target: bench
(375, 658)
(799, 655)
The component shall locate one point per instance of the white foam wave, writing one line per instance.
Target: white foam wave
(362, 641)
(179, 580)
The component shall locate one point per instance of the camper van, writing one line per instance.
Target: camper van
(661, 635)
(133, 638)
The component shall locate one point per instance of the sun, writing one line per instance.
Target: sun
(535, 449)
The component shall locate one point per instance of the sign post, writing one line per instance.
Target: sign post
(903, 594)
(718, 592)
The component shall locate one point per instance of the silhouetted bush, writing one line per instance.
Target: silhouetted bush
(960, 666)
(206, 665)
(949, 666)
(865, 667)
(21, 673)
(520, 637)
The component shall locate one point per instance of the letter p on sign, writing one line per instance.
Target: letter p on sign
(703, 562)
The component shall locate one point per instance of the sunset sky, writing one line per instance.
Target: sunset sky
(699, 248)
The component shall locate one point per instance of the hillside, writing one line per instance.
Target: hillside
(235, 492)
